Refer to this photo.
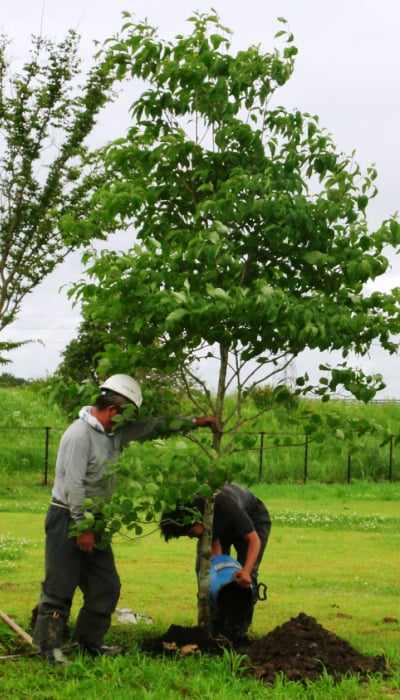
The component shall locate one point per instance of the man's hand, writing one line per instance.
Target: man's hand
(243, 578)
(208, 422)
(86, 541)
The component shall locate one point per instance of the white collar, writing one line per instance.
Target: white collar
(85, 414)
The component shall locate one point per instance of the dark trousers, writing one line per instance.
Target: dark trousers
(237, 622)
(66, 569)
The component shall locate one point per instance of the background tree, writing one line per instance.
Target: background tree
(87, 360)
(9, 380)
(78, 362)
(253, 241)
(46, 169)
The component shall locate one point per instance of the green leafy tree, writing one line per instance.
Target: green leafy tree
(252, 236)
(8, 380)
(46, 169)
(79, 373)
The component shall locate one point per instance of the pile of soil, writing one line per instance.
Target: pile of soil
(301, 649)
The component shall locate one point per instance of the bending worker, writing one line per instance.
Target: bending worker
(240, 520)
(86, 449)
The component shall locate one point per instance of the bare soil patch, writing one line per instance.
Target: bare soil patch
(301, 649)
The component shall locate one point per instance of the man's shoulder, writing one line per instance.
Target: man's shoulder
(233, 490)
(234, 496)
(77, 424)
(75, 429)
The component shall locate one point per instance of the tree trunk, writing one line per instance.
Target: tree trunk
(221, 389)
(204, 613)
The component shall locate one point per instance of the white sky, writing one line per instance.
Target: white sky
(346, 72)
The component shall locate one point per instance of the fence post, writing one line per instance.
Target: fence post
(46, 454)
(391, 458)
(306, 459)
(260, 463)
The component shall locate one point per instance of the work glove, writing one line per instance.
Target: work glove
(208, 422)
(86, 541)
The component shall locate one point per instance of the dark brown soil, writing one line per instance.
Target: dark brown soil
(301, 649)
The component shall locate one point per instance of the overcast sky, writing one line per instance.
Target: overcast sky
(346, 73)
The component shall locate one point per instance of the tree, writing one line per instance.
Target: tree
(81, 370)
(46, 170)
(8, 380)
(252, 234)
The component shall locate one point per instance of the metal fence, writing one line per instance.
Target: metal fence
(43, 459)
(303, 441)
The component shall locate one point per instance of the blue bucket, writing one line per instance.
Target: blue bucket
(226, 595)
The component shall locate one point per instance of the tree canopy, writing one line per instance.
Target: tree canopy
(252, 235)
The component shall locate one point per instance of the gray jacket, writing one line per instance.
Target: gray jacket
(85, 453)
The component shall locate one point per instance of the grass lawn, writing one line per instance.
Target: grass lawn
(333, 554)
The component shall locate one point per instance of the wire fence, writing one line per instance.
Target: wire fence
(274, 455)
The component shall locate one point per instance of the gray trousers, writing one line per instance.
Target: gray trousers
(66, 569)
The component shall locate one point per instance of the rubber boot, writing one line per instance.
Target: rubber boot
(48, 635)
(89, 632)
(90, 628)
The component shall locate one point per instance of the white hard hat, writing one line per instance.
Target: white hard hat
(125, 386)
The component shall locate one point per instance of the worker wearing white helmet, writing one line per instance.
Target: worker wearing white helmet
(124, 386)
(86, 449)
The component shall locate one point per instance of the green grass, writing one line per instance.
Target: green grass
(323, 559)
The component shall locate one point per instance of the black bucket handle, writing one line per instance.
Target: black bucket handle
(261, 591)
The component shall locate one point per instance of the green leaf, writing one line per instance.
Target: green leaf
(220, 228)
(217, 292)
(180, 296)
(175, 316)
(89, 517)
(177, 423)
(152, 489)
(115, 526)
(314, 257)
(217, 40)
